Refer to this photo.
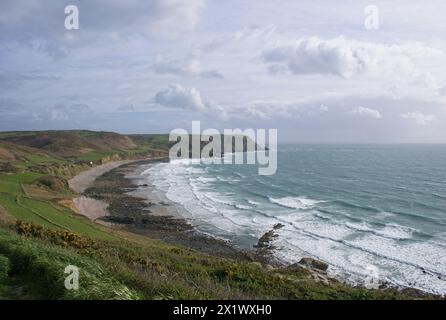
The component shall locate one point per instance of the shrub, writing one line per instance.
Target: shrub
(8, 168)
(4, 267)
(53, 183)
(59, 237)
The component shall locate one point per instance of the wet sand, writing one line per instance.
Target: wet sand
(91, 208)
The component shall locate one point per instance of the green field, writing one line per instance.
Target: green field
(47, 213)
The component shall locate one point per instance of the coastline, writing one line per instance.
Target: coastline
(148, 215)
(86, 206)
(130, 206)
(83, 180)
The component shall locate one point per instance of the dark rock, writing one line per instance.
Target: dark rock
(412, 292)
(314, 264)
(265, 240)
(278, 226)
(121, 220)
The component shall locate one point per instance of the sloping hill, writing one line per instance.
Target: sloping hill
(156, 141)
(11, 152)
(91, 145)
(70, 143)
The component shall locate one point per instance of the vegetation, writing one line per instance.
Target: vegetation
(36, 258)
(40, 236)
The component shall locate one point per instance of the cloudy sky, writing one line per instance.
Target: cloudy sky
(311, 69)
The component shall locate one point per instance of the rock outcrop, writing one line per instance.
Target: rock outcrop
(314, 264)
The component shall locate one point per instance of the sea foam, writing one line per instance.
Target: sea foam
(294, 202)
(347, 234)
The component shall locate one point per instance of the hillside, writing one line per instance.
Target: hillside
(70, 143)
(28, 148)
(40, 235)
(15, 152)
(155, 141)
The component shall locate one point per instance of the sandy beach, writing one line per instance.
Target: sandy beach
(131, 206)
(95, 209)
(84, 179)
(89, 207)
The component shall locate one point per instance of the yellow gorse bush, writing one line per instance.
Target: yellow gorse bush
(65, 238)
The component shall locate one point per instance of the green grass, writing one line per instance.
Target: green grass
(24, 177)
(95, 156)
(38, 268)
(153, 141)
(22, 165)
(154, 270)
(82, 133)
(38, 159)
(8, 186)
(9, 202)
(5, 267)
(62, 219)
(46, 213)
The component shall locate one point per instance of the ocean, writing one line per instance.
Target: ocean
(366, 210)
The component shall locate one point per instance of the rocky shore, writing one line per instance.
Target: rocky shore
(138, 215)
(147, 216)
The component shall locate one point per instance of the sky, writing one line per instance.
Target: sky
(317, 71)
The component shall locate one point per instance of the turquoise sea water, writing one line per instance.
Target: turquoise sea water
(357, 207)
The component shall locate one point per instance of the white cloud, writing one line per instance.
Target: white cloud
(114, 61)
(345, 58)
(420, 118)
(177, 96)
(368, 112)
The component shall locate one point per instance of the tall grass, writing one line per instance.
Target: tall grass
(40, 268)
(152, 270)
